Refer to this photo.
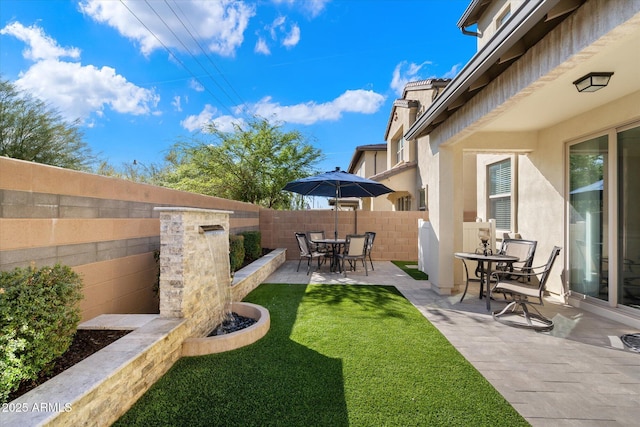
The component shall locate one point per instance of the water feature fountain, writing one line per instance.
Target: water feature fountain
(195, 280)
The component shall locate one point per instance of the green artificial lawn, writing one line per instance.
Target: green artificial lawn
(334, 356)
(413, 272)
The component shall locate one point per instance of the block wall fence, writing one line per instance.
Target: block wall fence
(106, 229)
(396, 232)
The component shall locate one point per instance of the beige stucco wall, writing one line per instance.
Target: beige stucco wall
(541, 172)
(487, 24)
(540, 151)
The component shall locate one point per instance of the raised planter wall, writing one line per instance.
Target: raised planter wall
(104, 386)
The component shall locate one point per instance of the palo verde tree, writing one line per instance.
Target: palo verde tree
(250, 164)
(31, 130)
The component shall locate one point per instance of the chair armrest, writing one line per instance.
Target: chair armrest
(526, 272)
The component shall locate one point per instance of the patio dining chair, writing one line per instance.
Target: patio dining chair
(371, 236)
(524, 294)
(355, 249)
(307, 253)
(525, 250)
(318, 235)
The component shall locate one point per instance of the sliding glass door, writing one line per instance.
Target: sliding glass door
(629, 217)
(588, 217)
(595, 212)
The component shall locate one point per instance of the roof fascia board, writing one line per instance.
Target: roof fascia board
(467, 13)
(530, 13)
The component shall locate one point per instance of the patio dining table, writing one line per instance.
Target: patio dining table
(487, 259)
(335, 250)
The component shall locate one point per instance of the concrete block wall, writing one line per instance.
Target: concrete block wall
(104, 228)
(396, 232)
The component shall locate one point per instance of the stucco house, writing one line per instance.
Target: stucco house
(367, 161)
(541, 131)
(395, 163)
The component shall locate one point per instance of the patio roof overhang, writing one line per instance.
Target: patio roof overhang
(528, 25)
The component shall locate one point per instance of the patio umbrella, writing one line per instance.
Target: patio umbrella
(337, 184)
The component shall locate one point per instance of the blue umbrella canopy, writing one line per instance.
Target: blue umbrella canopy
(337, 184)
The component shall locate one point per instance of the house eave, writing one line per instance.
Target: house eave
(360, 149)
(476, 73)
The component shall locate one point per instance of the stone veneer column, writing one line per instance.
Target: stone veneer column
(194, 266)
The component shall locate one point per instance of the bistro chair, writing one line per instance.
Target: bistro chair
(306, 252)
(371, 236)
(319, 247)
(355, 248)
(523, 293)
(525, 250)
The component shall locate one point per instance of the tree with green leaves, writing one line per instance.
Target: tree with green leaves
(31, 130)
(251, 164)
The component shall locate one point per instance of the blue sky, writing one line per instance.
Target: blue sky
(140, 75)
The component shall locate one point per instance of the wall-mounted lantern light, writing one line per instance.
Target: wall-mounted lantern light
(592, 81)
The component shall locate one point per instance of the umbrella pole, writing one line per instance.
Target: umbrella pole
(335, 225)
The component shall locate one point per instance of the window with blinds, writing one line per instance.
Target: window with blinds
(500, 194)
(400, 151)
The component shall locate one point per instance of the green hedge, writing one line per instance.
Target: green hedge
(236, 251)
(39, 315)
(252, 245)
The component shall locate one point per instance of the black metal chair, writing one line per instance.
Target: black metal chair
(525, 250)
(355, 248)
(318, 235)
(371, 236)
(306, 252)
(518, 287)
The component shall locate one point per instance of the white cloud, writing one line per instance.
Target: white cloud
(195, 85)
(313, 7)
(219, 24)
(293, 37)
(77, 91)
(352, 101)
(288, 35)
(177, 103)
(452, 72)
(276, 26)
(206, 116)
(80, 90)
(404, 73)
(40, 45)
(261, 47)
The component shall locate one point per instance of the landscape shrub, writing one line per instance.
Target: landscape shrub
(252, 245)
(236, 251)
(39, 315)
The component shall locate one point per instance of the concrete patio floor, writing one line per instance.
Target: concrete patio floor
(578, 374)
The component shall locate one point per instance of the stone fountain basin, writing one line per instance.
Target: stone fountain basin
(233, 340)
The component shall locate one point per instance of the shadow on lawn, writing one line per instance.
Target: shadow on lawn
(379, 301)
(274, 381)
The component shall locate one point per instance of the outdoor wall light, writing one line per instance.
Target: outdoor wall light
(592, 82)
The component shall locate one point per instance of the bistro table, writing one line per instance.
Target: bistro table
(335, 249)
(489, 259)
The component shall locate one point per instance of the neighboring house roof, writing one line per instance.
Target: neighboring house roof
(411, 103)
(394, 171)
(360, 149)
(526, 27)
(424, 84)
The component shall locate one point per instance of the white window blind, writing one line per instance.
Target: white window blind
(500, 194)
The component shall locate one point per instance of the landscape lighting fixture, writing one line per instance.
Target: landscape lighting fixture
(592, 82)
